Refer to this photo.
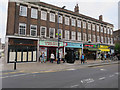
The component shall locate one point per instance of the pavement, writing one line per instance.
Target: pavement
(46, 67)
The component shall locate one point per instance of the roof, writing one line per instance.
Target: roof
(69, 12)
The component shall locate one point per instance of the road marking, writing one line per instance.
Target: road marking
(71, 69)
(102, 78)
(15, 75)
(111, 76)
(117, 73)
(103, 69)
(74, 86)
(89, 80)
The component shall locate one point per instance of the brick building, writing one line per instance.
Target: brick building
(32, 28)
(116, 35)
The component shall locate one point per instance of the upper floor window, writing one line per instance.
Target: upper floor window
(73, 35)
(60, 19)
(102, 39)
(43, 31)
(84, 37)
(60, 34)
(52, 17)
(22, 29)
(94, 38)
(67, 34)
(34, 13)
(84, 24)
(108, 31)
(43, 15)
(33, 30)
(89, 26)
(89, 37)
(101, 29)
(52, 32)
(111, 31)
(98, 28)
(108, 40)
(73, 22)
(66, 20)
(104, 29)
(105, 39)
(23, 10)
(79, 36)
(98, 39)
(111, 40)
(78, 23)
(93, 27)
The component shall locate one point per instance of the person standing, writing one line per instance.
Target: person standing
(82, 58)
(52, 57)
(43, 57)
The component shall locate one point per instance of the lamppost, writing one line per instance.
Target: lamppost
(58, 60)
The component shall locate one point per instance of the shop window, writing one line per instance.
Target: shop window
(33, 29)
(23, 10)
(43, 31)
(43, 15)
(22, 29)
(66, 34)
(34, 13)
(52, 17)
(52, 32)
(66, 20)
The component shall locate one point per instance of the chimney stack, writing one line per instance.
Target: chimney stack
(76, 9)
(101, 18)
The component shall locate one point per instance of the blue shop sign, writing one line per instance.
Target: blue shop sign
(74, 45)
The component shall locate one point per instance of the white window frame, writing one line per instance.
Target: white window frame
(108, 31)
(43, 15)
(79, 23)
(52, 17)
(84, 37)
(98, 38)
(33, 30)
(102, 29)
(111, 31)
(60, 19)
(93, 27)
(73, 35)
(102, 39)
(23, 10)
(98, 28)
(41, 30)
(67, 22)
(105, 29)
(89, 26)
(23, 24)
(108, 40)
(84, 24)
(53, 32)
(79, 36)
(73, 21)
(89, 37)
(34, 13)
(67, 34)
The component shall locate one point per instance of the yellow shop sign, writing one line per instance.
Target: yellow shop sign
(104, 46)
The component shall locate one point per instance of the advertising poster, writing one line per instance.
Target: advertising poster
(18, 56)
(34, 55)
(12, 56)
(29, 56)
(24, 56)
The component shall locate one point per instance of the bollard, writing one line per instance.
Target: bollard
(14, 65)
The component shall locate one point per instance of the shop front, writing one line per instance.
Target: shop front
(90, 51)
(104, 49)
(75, 48)
(49, 47)
(22, 50)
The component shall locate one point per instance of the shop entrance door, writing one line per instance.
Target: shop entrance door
(49, 51)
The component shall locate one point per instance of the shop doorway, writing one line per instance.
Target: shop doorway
(49, 51)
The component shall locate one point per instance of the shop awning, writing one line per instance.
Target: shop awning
(107, 50)
(92, 49)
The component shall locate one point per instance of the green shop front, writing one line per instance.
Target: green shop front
(49, 47)
(90, 51)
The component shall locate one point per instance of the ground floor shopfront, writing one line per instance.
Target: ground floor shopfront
(21, 50)
(75, 48)
(49, 47)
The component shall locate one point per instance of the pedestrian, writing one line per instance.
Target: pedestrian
(40, 58)
(105, 56)
(101, 56)
(52, 57)
(82, 58)
(43, 57)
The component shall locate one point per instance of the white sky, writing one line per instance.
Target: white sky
(92, 8)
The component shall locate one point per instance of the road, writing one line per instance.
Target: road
(89, 77)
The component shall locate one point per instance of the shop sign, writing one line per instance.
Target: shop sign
(50, 43)
(104, 46)
(74, 45)
(90, 45)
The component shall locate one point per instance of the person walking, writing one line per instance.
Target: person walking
(52, 57)
(82, 58)
(43, 57)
